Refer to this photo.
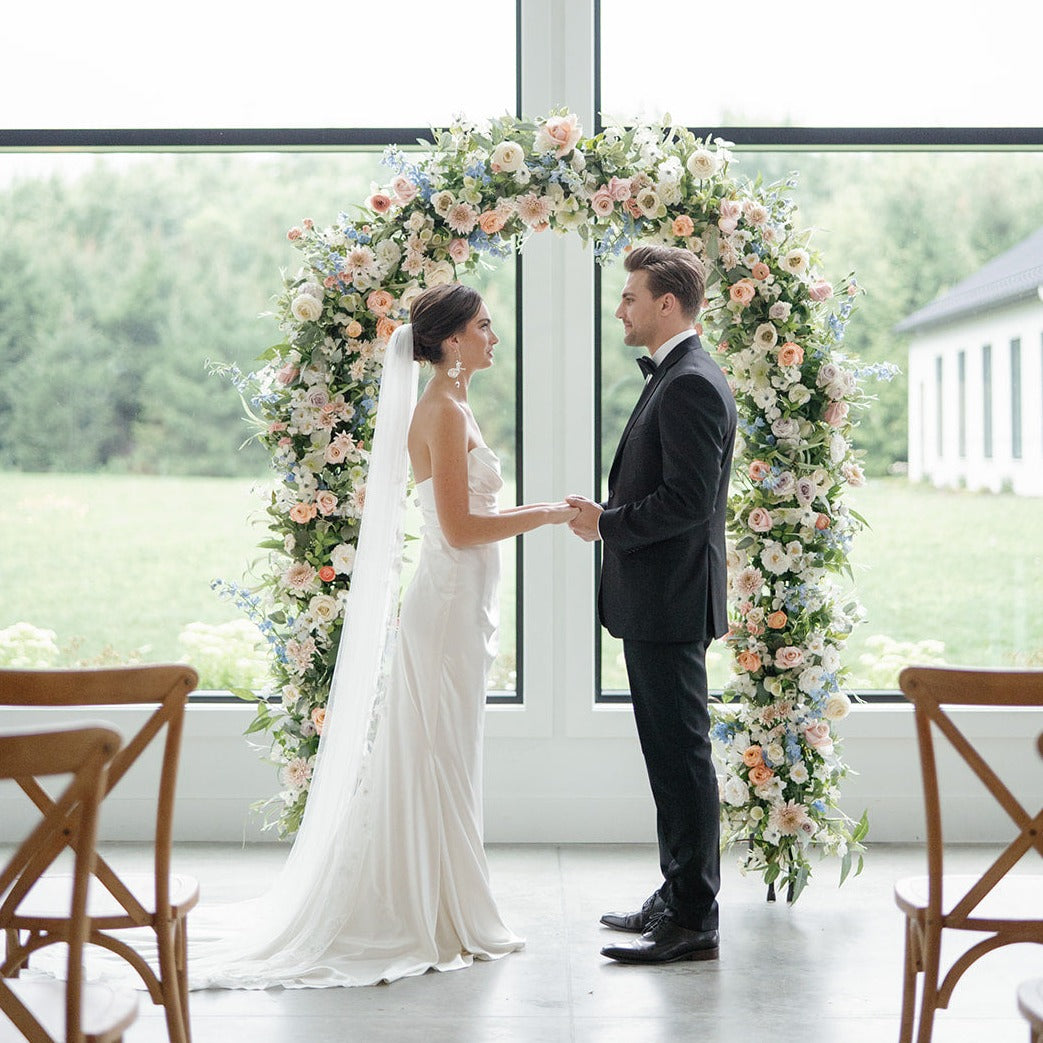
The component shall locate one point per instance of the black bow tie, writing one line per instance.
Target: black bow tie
(646, 364)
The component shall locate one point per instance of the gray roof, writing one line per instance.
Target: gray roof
(1013, 276)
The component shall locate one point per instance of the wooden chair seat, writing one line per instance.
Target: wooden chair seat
(43, 904)
(1014, 900)
(1030, 1003)
(105, 1012)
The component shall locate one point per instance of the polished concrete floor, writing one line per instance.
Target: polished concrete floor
(826, 970)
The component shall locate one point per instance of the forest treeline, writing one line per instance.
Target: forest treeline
(118, 286)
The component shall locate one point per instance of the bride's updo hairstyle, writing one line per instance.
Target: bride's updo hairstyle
(438, 313)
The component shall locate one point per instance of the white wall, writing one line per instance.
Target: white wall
(555, 789)
(974, 471)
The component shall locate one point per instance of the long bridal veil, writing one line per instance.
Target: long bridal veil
(283, 934)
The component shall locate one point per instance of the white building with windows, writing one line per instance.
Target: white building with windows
(976, 378)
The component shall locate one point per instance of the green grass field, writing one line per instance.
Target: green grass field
(125, 563)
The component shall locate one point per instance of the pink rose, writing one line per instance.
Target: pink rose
(287, 374)
(619, 187)
(731, 208)
(404, 189)
(760, 520)
(820, 290)
(602, 202)
(325, 502)
(789, 656)
(836, 413)
(459, 251)
(558, 135)
(293, 233)
(817, 737)
(791, 354)
(683, 226)
(380, 202)
(759, 470)
(727, 224)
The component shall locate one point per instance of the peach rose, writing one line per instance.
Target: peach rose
(327, 573)
(836, 414)
(318, 718)
(760, 520)
(748, 661)
(380, 202)
(385, 327)
(760, 270)
(822, 522)
(777, 620)
(683, 225)
(353, 329)
(302, 513)
(759, 470)
(491, 221)
(791, 354)
(788, 657)
(380, 302)
(751, 756)
(293, 233)
(308, 223)
(743, 292)
(759, 774)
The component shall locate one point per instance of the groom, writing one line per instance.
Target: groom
(663, 579)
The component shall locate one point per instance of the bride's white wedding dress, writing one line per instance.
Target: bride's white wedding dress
(410, 890)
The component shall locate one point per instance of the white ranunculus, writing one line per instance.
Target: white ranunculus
(765, 336)
(810, 679)
(439, 273)
(798, 773)
(799, 395)
(324, 608)
(306, 308)
(774, 558)
(796, 261)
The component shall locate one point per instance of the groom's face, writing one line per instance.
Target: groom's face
(638, 311)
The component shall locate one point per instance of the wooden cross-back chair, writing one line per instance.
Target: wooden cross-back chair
(1006, 907)
(69, 1011)
(158, 901)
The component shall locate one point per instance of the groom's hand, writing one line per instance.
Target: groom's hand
(585, 524)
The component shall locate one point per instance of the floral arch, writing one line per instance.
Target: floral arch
(777, 325)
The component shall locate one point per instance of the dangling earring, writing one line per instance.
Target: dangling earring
(454, 371)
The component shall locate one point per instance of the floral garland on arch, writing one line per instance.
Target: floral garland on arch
(477, 192)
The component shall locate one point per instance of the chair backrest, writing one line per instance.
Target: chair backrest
(71, 820)
(164, 686)
(931, 690)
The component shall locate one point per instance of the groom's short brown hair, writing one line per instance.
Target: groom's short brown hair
(671, 270)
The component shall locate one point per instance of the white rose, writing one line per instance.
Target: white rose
(799, 395)
(441, 202)
(774, 558)
(508, 156)
(702, 163)
(306, 308)
(389, 252)
(838, 706)
(766, 336)
(438, 273)
(796, 261)
(323, 608)
(779, 311)
(735, 791)
(342, 558)
(786, 428)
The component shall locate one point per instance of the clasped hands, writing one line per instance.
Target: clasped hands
(585, 523)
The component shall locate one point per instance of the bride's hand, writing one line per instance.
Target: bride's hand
(560, 513)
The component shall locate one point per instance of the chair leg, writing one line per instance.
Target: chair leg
(932, 945)
(181, 959)
(909, 972)
(11, 944)
(168, 981)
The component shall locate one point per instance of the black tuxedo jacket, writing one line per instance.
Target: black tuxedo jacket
(663, 567)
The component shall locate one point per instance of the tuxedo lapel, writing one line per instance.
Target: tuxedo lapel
(647, 391)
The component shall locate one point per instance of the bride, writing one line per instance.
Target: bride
(387, 876)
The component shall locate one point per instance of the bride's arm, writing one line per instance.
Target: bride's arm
(462, 528)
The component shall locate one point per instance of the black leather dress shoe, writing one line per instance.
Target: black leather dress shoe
(636, 922)
(665, 942)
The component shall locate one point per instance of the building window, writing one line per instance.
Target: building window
(939, 396)
(961, 368)
(986, 400)
(1015, 398)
